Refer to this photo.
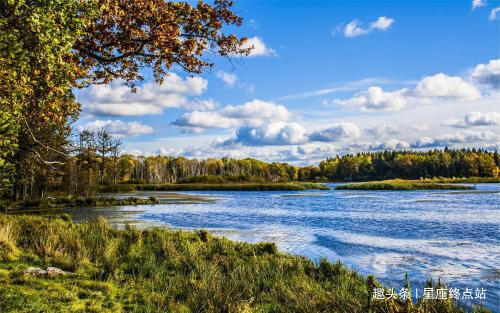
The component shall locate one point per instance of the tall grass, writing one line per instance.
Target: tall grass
(400, 184)
(215, 187)
(159, 270)
(69, 201)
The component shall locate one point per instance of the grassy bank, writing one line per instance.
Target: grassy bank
(464, 180)
(69, 202)
(399, 184)
(215, 187)
(159, 270)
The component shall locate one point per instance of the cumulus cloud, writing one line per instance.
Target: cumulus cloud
(487, 74)
(439, 86)
(381, 130)
(257, 109)
(382, 23)
(444, 86)
(229, 79)
(478, 3)
(204, 119)
(272, 134)
(391, 144)
(494, 14)
(151, 98)
(466, 137)
(259, 47)
(119, 128)
(375, 99)
(254, 113)
(336, 132)
(286, 133)
(476, 119)
(354, 28)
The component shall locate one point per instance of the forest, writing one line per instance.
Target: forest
(96, 161)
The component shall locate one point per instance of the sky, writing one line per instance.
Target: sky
(324, 78)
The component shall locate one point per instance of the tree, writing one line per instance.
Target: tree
(48, 47)
(104, 145)
(127, 35)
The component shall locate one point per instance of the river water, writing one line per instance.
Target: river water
(449, 235)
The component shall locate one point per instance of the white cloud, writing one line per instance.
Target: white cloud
(438, 86)
(381, 130)
(478, 3)
(229, 79)
(272, 134)
(204, 119)
(257, 109)
(259, 47)
(254, 113)
(354, 28)
(382, 23)
(391, 144)
(466, 137)
(119, 128)
(286, 133)
(443, 86)
(151, 98)
(336, 132)
(476, 119)
(487, 74)
(375, 99)
(494, 14)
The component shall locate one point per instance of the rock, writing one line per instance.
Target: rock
(54, 272)
(50, 272)
(35, 271)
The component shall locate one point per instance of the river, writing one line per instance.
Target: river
(449, 235)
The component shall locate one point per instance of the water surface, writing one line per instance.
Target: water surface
(449, 235)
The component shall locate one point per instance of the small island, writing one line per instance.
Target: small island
(401, 184)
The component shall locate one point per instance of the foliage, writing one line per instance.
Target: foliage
(48, 47)
(399, 184)
(412, 165)
(159, 270)
(127, 35)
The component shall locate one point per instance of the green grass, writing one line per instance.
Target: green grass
(160, 270)
(215, 187)
(399, 184)
(69, 201)
(464, 180)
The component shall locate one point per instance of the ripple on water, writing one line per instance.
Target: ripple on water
(454, 236)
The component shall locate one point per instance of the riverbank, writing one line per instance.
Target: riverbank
(160, 270)
(464, 180)
(291, 186)
(48, 204)
(399, 184)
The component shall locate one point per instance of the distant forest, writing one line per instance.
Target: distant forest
(95, 160)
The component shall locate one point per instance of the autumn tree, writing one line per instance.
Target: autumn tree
(49, 47)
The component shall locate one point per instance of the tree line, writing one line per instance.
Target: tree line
(97, 162)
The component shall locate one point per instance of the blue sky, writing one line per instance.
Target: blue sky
(325, 78)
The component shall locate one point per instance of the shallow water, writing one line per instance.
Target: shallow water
(449, 235)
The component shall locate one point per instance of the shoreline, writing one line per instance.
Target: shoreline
(240, 268)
